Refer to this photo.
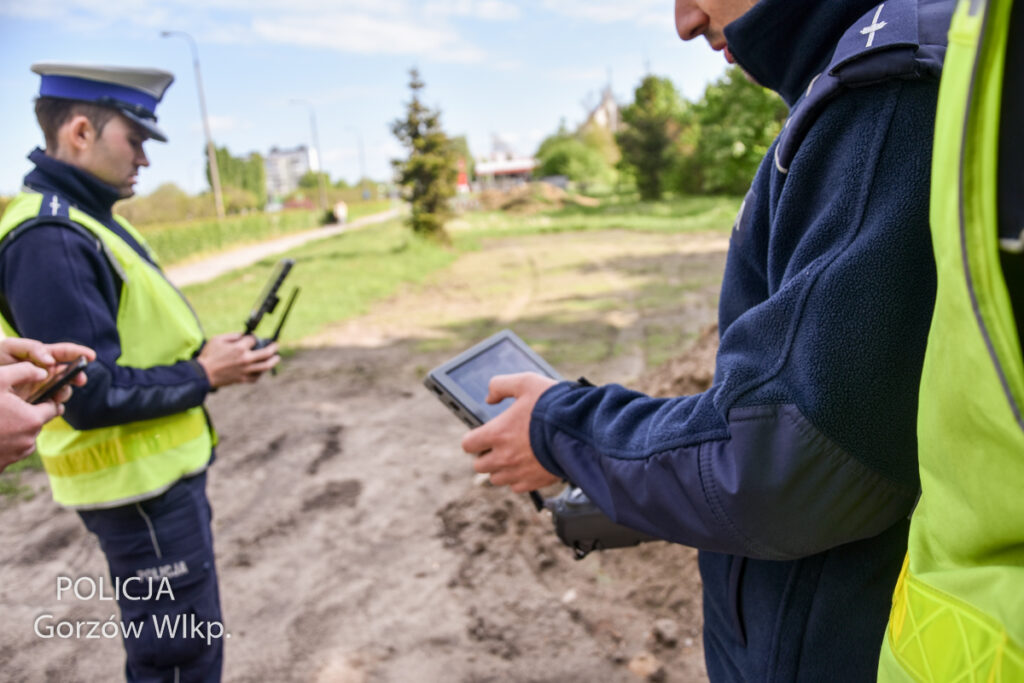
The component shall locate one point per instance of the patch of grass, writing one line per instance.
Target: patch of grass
(342, 276)
(179, 242)
(11, 486)
(32, 462)
(684, 214)
(593, 342)
(339, 276)
(656, 293)
(462, 335)
(663, 342)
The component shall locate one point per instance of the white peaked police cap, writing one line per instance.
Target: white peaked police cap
(134, 92)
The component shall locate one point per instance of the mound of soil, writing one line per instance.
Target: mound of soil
(530, 198)
(689, 373)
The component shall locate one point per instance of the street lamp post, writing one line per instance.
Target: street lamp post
(211, 153)
(319, 157)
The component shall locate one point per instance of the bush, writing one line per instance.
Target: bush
(165, 204)
(572, 158)
(736, 122)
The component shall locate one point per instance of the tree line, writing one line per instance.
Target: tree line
(665, 144)
(243, 182)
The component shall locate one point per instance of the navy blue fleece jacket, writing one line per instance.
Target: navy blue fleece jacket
(55, 285)
(795, 472)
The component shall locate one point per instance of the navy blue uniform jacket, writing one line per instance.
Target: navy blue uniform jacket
(56, 285)
(795, 472)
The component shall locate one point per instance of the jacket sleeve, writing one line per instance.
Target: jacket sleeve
(806, 440)
(58, 286)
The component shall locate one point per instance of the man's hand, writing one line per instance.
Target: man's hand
(504, 442)
(20, 422)
(46, 356)
(230, 359)
(50, 357)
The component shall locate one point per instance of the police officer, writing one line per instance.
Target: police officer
(130, 453)
(795, 472)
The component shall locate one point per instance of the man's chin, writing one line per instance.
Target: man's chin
(127, 192)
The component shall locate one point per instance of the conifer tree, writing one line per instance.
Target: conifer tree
(428, 175)
(652, 123)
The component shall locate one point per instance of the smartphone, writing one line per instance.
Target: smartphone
(50, 387)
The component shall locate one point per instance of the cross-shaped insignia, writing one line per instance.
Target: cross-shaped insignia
(54, 205)
(869, 31)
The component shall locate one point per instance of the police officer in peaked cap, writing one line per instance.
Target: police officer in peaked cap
(131, 451)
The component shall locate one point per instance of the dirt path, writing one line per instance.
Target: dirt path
(354, 543)
(225, 262)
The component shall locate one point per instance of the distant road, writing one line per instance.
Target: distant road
(226, 261)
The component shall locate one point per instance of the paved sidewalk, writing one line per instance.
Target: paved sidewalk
(224, 262)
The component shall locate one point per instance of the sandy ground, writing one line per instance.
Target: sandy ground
(354, 542)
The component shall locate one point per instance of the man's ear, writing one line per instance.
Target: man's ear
(76, 135)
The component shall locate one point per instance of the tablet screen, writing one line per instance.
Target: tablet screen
(474, 375)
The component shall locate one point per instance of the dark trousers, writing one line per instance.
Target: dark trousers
(167, 540)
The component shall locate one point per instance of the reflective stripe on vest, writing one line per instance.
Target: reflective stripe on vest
(937, 638)
(958, 609)
(116, 465)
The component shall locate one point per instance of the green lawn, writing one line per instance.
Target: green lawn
(11, 485)
(178, 242)
(342, 276)
(684, 214)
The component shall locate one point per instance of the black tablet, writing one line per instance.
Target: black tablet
(462, 383)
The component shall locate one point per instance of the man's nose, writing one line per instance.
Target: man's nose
(141, 159)
(691, 21)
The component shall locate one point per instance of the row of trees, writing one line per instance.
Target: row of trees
(666, 143)
(712, 146)
(243, 180)
(243, 183)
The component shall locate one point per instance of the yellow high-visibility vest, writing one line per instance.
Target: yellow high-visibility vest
(958, 609)
(111, 466)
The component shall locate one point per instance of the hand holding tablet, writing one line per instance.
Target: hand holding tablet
(464, 383)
